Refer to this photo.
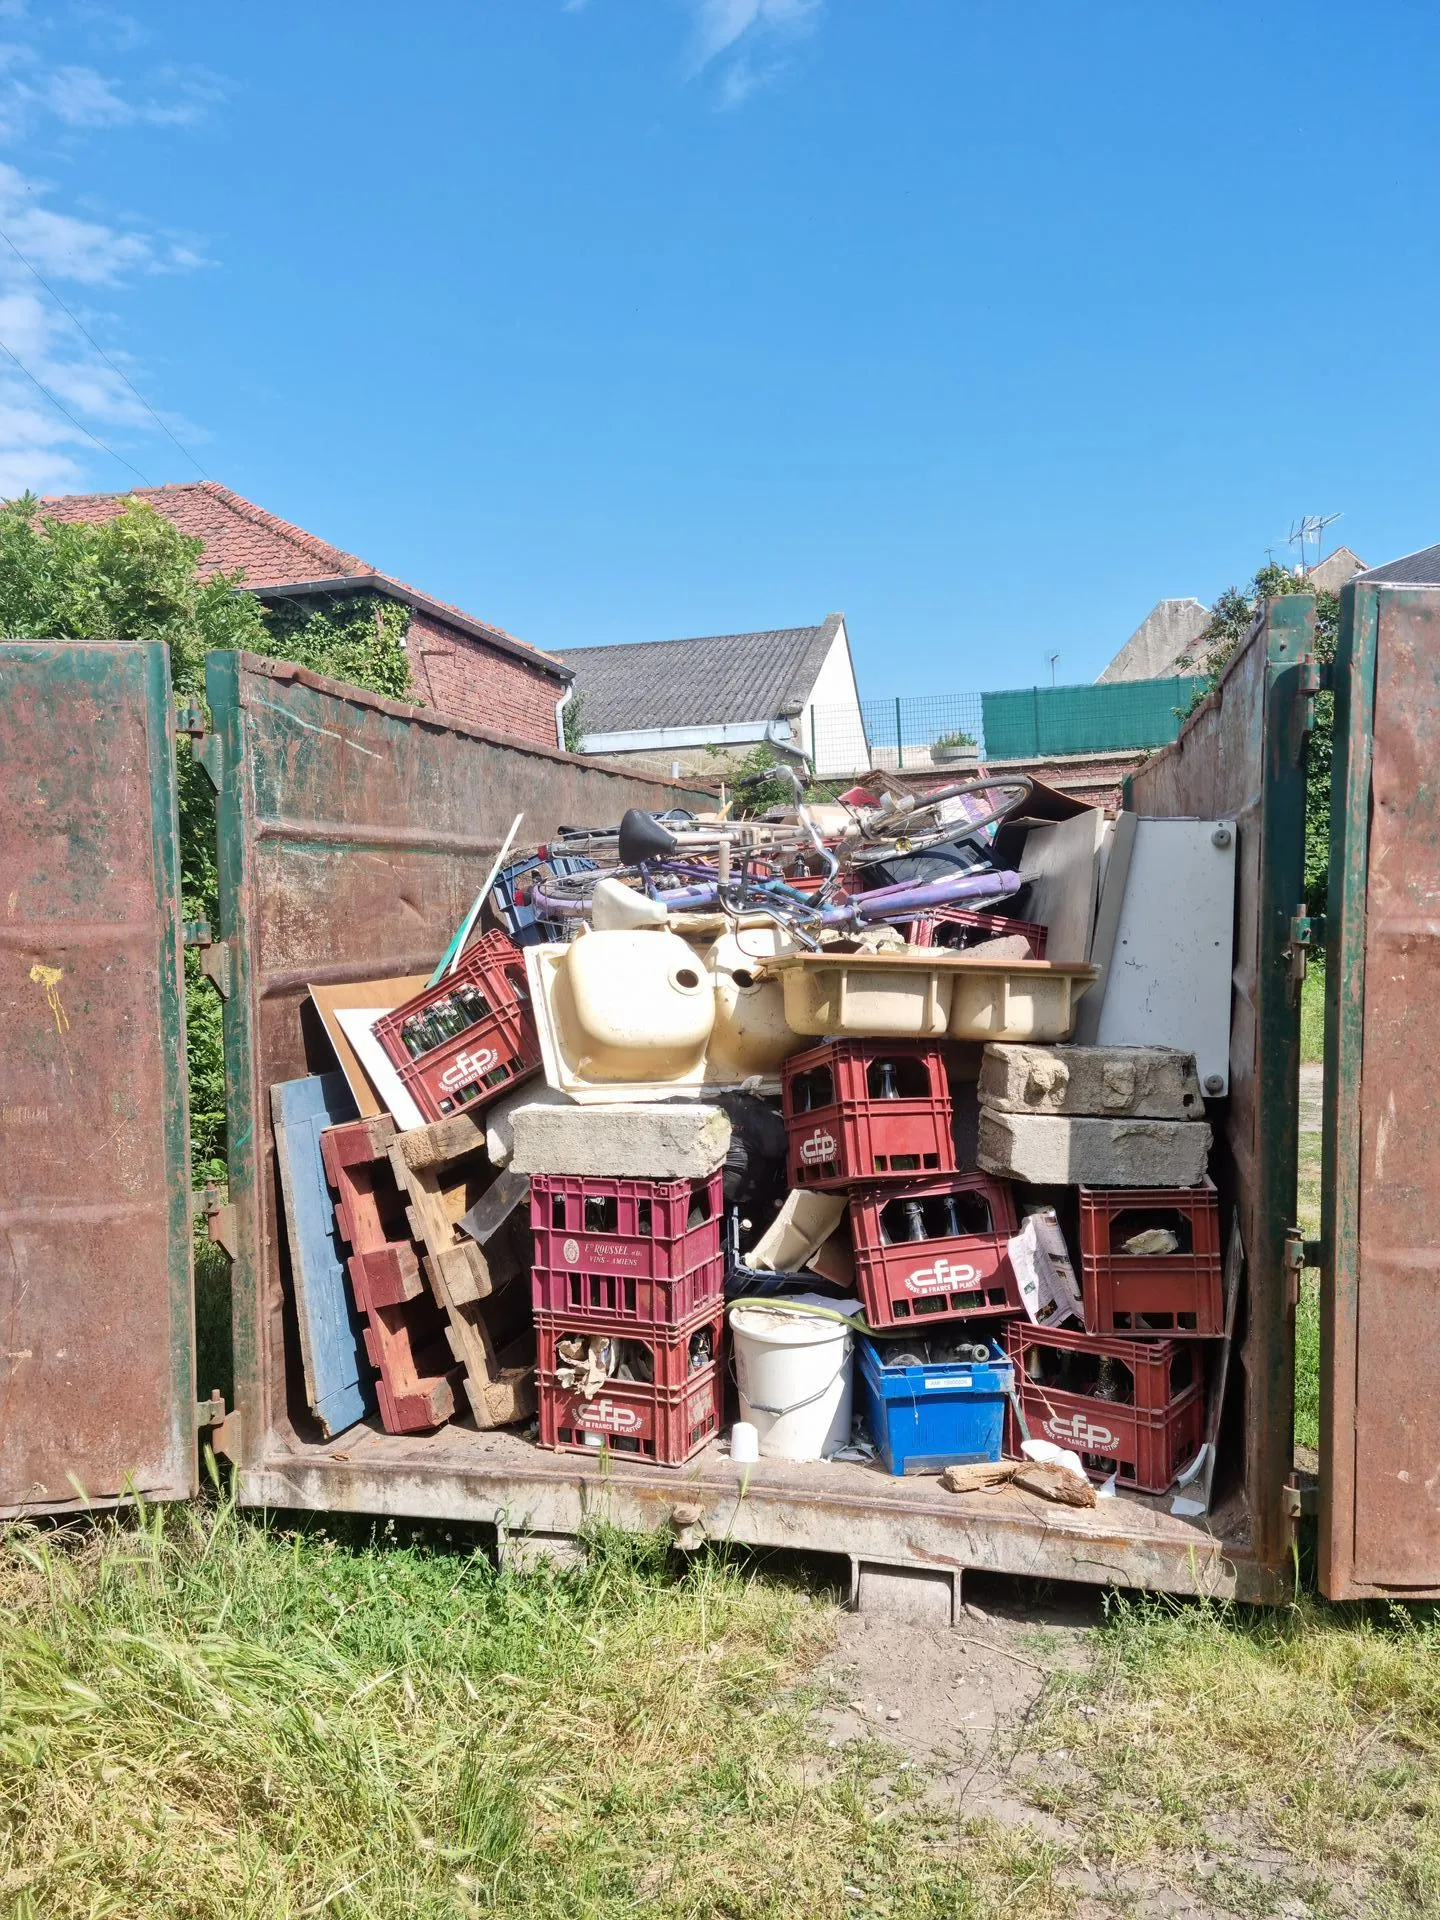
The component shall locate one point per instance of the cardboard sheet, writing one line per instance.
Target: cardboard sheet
(377, 997)
(1062, 865)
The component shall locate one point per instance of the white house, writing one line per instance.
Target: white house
(667, 703)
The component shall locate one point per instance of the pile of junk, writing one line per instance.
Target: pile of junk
(869, 1130)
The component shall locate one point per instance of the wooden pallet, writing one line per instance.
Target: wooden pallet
(442, 1171)
(404, 1331)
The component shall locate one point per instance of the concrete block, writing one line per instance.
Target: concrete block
(1058, 1150)
(636, 1140)
(496, 1119)
(1153, 1083)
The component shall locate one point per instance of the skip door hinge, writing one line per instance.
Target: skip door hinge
(1307, 936)
(1302, 1496)
(220, 1221)
(214, 955)
(204, 745)
(1314, 679)
(1299, 1254)
(223, 1428)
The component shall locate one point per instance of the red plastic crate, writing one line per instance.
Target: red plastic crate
(843, 1128)
(624, 1299)
(1180, 1295)
(641, 1229)
(989, 926)
(945, 1275)
(1144, 1442)
(647, 1423)
(669, 1348)
(665, 1418)
(498, 1048)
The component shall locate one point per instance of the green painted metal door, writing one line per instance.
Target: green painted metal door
(96, 1369)
(1380, 1405)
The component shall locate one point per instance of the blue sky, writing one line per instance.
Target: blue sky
(625, 319)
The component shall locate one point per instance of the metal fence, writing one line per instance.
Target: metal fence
(1014, 723)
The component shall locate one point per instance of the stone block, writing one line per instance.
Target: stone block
(1152, 1083)
(1060, 1150)
(496, 1119)
(635, 1140)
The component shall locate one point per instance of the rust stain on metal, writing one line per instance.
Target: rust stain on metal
(87, 1135)
(1396, 1521)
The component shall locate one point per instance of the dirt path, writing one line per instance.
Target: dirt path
(957, 1710)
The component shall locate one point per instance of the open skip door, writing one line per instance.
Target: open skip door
(96, 1342)
(1380, 1326)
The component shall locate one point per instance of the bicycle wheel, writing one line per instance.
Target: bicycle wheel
(942, 817)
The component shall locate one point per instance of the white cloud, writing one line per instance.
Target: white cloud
(747, 37)
(39, 447)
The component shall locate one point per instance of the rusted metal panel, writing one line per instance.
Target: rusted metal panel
(1240, 756)
(1380, 1459)
(354, 834)
(503, 1479)
(96, 1375)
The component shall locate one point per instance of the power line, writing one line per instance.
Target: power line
(119, 372)
(62, 408)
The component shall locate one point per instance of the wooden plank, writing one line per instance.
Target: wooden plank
(338, 1387)
(442, 1141)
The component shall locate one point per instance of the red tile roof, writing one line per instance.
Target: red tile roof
(270, 551)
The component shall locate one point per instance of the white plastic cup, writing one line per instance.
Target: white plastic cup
(744, 1443)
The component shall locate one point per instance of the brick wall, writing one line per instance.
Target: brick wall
(463, 677)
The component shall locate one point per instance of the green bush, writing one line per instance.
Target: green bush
(136, 577)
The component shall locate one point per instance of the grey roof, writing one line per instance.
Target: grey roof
(691, 683)
(1414, 569)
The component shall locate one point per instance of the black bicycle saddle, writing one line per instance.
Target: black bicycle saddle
(643, 838)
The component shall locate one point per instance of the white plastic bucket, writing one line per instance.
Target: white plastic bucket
(795, 1372)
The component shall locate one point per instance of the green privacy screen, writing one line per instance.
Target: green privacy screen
(1024, 722)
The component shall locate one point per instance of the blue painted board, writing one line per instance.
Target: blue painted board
(339, 1383)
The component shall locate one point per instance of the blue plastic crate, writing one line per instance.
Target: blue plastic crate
(925, 1418)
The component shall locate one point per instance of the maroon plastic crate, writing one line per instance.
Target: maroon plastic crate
(665, 1418)
(1144, 1440)
(944, 1274)
(640, 1229)
(863, 1110)
(627, 1299)
(671, 1350)
(664, 1426)
(469, 1039)
(1180, 1295)
(987, 926)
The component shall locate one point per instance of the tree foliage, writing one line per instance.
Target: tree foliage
(136, 577)
(1230, 620)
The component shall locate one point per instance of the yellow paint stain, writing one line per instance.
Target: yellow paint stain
(49, 978)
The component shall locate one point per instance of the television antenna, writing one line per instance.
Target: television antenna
(1310, 526)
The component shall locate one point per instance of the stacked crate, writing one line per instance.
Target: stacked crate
(1126, 1391)
(872, 1119)
(628, 1289)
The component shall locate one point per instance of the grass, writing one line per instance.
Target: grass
(1312, 1012)
(204, 1716)
(1216, 1734)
